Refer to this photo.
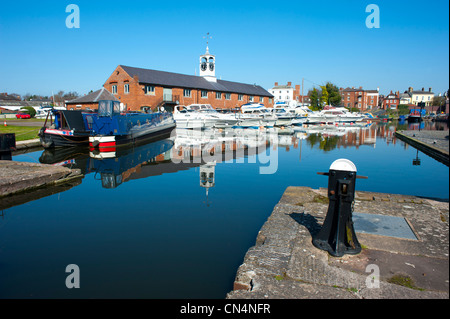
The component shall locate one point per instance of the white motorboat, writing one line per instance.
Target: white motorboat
(186, 118)
(335, 115)
(251, 111)
(285, 116)
(211, 117)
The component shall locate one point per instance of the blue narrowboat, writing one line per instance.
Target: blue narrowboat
(112, 127)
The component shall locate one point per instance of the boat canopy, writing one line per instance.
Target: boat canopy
(68, 120)
(109, 108)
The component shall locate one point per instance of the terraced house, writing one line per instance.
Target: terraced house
(140, 88)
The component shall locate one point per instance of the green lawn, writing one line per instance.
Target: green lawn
(22, 132)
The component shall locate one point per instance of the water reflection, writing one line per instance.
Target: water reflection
(186, 149)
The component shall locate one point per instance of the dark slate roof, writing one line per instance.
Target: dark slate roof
(170, 79)
(102, 94)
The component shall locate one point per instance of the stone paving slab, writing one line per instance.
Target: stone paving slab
(16, 177)
(284, 263)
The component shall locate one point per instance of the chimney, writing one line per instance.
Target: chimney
(360, 87)
(410, 89)
(276, 83)
(429, 90)
(423, 89)
(289, 84)
(397, 93)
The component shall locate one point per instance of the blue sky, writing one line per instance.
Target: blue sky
(254, 42)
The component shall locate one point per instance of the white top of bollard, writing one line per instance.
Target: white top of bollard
(343, 164)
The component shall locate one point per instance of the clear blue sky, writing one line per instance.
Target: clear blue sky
(254, 42)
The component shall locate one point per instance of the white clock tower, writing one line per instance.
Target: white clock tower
(208, 65)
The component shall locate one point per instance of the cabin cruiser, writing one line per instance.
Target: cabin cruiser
(250, 112)
(213, 118)
(335, 115)
(285, 116)
(186, 118)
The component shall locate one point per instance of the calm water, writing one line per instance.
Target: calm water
(143, 225)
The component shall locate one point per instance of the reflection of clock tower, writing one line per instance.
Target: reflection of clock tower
(208, 66)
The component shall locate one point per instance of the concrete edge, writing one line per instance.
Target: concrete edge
(436, 153)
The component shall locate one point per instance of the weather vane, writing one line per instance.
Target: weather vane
(207, 38)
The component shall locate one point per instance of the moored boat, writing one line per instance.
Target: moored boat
(66, 129)
(111, 127)
(188, 119)
(415, 115)
(211, 117)
(250, 112)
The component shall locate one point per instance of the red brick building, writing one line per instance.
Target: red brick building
(359, 98)
(391, 101)
(139, 88)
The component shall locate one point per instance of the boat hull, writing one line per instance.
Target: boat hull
(190, 124)
(51, 138)
(109, 143)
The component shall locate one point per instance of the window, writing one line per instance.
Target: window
(227, 96)
(114, 89)
(250, 98)
(126, 88)
(261, 99)
(204, 94)
(187, 93)
(240, 97)
(218, 95)
(149, 89)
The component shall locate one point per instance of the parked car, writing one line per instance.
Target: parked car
(23, 116)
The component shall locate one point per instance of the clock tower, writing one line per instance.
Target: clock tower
(208, 66)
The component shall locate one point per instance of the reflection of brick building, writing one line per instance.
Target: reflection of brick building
(359, 98)
(139, 88)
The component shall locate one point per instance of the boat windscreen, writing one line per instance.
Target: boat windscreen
(108, 108)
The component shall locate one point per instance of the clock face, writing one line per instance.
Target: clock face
(211, 66)
(203, 66)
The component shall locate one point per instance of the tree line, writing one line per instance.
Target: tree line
(61, 96)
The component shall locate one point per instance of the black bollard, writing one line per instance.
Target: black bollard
(337, 235)
(7, 145)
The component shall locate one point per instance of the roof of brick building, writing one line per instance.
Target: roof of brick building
(170, 79)
(102, 94)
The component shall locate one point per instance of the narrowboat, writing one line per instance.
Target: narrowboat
(66, 129)
(112, 127)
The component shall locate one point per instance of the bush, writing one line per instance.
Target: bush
(29, 110)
